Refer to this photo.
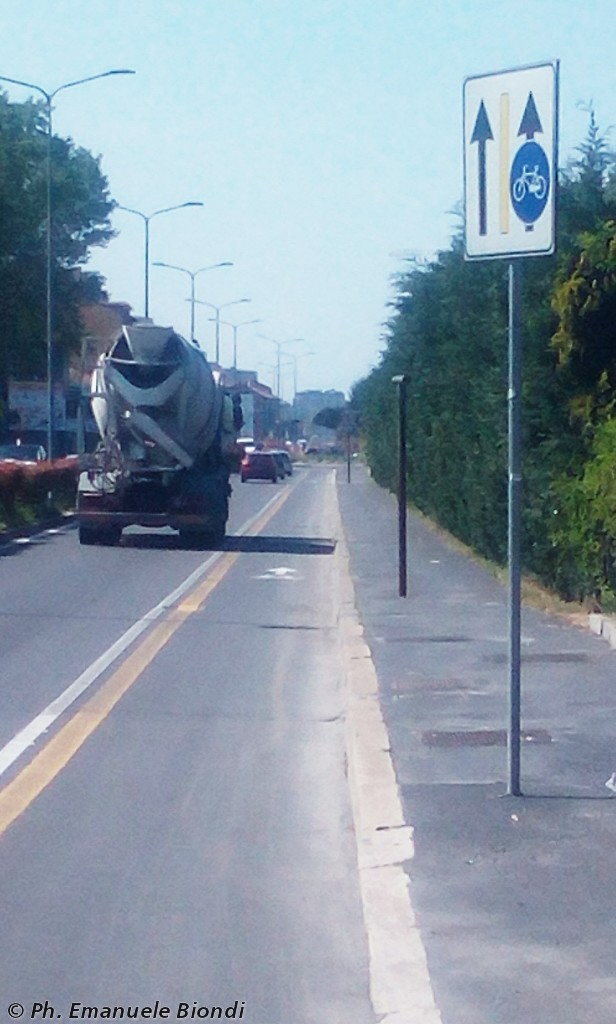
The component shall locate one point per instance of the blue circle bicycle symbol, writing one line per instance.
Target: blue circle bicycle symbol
(529, 182)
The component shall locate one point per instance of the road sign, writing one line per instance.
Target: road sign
(510, 162)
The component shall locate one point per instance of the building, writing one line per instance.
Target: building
(266, 417)
(306, 406)
(261, 409)
(28, 400)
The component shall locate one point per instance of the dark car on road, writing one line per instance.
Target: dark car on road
(284, 462)
(259, 466)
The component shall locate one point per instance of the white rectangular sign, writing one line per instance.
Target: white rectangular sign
(510, 162)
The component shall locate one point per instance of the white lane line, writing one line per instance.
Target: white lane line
(39, 725)
(400, 986)
(7, 544)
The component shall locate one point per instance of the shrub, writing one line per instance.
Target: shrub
(24, 489)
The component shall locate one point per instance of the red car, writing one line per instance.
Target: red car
(259, 466)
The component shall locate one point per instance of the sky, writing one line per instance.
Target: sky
(324, 138)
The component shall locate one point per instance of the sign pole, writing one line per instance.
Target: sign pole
(515, 521)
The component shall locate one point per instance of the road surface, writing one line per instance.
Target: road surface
(176, 821)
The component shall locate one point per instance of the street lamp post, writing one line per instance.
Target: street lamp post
(291, 355)
(217, 309)
(235, 328)
(146, 218)
(48, 96)
(279, 344)
(401, 380)
(192, 274)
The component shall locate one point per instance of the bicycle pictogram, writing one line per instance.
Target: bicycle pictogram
(530, 181)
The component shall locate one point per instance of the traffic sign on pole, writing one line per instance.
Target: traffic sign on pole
(510, 171)
(510, 162)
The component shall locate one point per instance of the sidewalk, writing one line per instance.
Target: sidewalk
(515, 897)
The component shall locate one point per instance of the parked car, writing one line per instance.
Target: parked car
(284, 461)
(260, 466)
(22, 453)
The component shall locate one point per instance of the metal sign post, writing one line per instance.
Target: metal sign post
(515, 524)
(510, 172)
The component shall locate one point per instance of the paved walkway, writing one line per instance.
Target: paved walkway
(515, 896)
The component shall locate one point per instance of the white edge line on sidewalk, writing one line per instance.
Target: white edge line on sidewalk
(400, 986)
(39, 725)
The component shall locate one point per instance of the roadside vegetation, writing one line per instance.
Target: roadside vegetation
(33, 493)
(81, 207)
(448, 333)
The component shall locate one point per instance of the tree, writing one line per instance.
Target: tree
(448, 335)
(585, 340)
(586, 196)
(80, 205)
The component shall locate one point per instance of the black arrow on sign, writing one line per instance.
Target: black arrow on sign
(530, 122)
(482, 133)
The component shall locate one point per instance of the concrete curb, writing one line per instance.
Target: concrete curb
(400, 986)
(603, 626)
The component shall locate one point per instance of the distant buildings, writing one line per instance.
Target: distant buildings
(261, 409)
(266, 417)
(28, 400)
(305, 407)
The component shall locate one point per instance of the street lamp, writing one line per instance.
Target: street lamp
(192, 274)
(279, 344)
(291, 355)
(217, 309)
(146, 218)
(48, 96)
(235, 328)
(401, 380)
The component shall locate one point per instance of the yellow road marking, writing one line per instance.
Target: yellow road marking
(61, 748)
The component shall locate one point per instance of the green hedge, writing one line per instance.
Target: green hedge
(24, 489)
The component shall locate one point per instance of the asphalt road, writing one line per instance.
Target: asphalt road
(182, 831)
(258, 779)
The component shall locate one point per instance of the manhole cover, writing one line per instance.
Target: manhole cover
(480, 738)
(426, 639)
(409, 685)
(547, 659)
(269, 626)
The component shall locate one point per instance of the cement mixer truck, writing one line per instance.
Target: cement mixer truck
(167, 431)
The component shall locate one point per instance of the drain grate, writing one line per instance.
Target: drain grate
(480, 738)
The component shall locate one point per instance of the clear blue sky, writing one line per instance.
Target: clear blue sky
(323, 136)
